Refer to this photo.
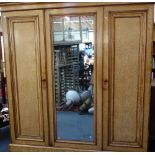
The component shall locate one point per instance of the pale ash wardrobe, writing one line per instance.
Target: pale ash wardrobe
(119, 39)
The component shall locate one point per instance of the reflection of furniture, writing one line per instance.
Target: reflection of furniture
(2, 122)
(2, 78)
(3, 118)
(152, 106)
(66, 69)
(85, 77)
(153, 64)
(123, 40)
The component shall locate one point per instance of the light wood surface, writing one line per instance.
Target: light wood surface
(123, 48)
(128, 59)
(55, 5)
(31, 148)
(24, 48)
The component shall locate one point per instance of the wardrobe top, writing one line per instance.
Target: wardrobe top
(54, 5)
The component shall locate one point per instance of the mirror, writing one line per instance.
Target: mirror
(73, 41)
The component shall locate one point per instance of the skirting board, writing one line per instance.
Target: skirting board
(28, 148)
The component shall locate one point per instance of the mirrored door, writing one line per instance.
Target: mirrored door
(76, 56)
(73, 40)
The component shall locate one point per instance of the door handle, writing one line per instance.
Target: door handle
(105, 84)
(43, 80)
(43, 77)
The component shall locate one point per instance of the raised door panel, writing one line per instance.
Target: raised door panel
(26, 76)
(128, 49)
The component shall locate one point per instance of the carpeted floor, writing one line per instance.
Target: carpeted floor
(4, 138)
(72, 126)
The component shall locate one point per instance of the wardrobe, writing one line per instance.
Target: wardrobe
(122, 59)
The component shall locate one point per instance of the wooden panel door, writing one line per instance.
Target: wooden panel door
(58, 14)
(26, 76)
(127, 65)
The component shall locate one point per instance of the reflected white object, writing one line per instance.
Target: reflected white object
(72, 96)
(67, 18)
(3, 56)
(5, 109)
(91, 110)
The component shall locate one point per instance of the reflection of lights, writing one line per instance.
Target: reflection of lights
(67, 18)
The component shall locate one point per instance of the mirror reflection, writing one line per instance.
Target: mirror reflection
(73, 38)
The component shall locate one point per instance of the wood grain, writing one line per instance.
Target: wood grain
(32, 148)
(125, 78)
(56, 5)
(123, 47)
(126, 51)
(26, 87)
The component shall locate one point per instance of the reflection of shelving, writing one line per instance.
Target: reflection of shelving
(66, 69)
(70, 64)
(65, 43)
